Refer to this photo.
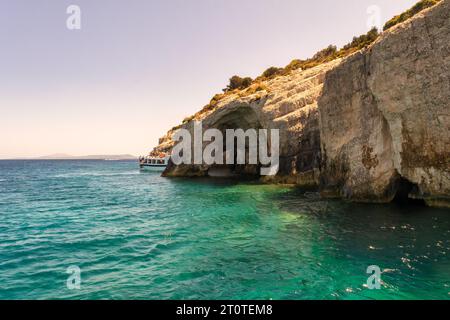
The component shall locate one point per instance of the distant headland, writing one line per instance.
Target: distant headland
(63, 156)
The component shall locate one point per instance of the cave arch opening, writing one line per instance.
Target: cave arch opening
(406, 192)
(245, 118)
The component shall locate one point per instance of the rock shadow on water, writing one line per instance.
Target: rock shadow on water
(407, 240)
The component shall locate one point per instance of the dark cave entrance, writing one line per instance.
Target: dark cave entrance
(406, 192)
(243, 117)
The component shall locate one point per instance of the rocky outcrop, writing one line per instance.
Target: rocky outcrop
(385, 116)
(287, 103)
(371, 127)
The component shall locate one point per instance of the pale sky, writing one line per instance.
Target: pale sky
(138, 67)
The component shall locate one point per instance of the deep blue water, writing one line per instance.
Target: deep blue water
(139, 236)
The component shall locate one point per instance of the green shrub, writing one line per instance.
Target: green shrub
(237, 82)
(294, 65)
(271, 72)
(325, 54)
(359, 43)
(363, 40)
(246, 82)
(421, 5)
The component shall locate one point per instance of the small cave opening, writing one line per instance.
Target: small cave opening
(407, 193)
(241, 118)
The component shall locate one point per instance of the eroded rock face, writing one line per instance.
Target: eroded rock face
(368, 128)
(287, 103)
(385, 115)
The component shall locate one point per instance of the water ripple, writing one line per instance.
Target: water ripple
(140, 236)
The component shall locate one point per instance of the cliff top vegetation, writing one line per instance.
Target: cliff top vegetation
(244, 86)
(419, 6)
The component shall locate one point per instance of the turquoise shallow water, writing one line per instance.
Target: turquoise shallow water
(139, 236)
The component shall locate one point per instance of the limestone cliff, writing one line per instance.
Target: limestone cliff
(288, 103)
(385, 116)
(369, 127)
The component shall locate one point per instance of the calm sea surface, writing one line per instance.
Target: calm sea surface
(139, 236)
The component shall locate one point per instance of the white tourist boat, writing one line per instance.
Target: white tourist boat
(154, 163)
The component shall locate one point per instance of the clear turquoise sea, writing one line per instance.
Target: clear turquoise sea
(139, 236)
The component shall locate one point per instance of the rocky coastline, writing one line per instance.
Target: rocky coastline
(373, 126)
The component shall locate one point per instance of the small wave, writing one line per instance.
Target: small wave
(96, 174)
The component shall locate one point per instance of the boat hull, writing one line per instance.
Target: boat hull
(150, 167)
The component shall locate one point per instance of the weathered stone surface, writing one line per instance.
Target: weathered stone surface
(385, 115)
(370, 127)
(288, 103)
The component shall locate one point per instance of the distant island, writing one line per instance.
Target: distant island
(63, 156)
